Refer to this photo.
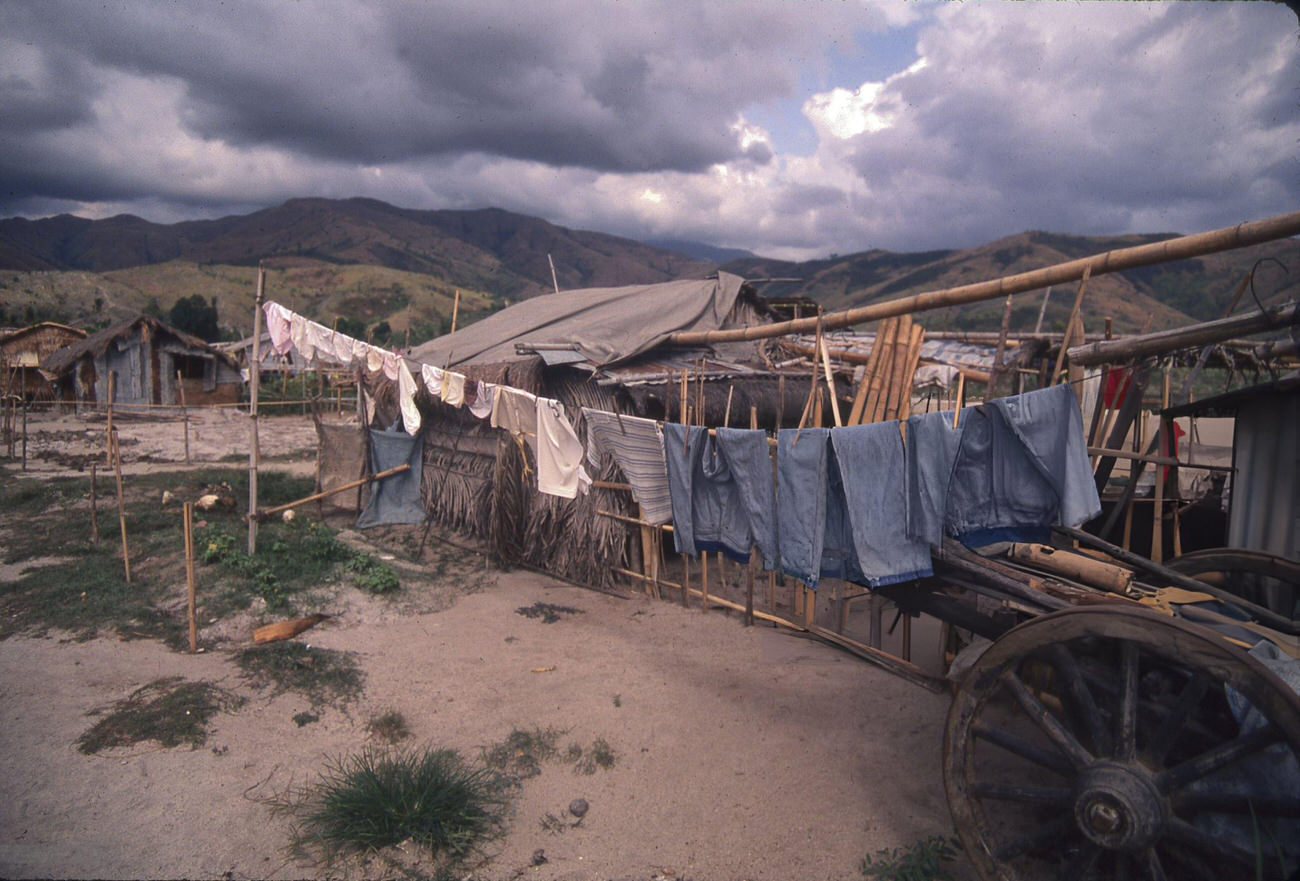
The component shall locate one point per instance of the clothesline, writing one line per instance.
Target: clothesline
(864, 502)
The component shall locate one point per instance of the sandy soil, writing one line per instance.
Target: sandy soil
(741, 753)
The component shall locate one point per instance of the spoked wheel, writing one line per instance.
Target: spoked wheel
(1105, 742)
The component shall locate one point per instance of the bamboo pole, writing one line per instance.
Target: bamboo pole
(24, 433)
(1069, 325)
(269, 512)
(860, 400)
(1042, 310)
(190, 585)
(185, 415)
(94, 505)
(254, 382)
(918, 340)
(1224, 239)
(830, 384)
(455, 311)
(902, 334)
(885, 338)
(1186, 337)
(121, 505)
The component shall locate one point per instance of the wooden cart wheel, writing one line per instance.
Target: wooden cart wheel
(1100, 742)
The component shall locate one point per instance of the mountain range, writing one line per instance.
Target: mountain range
(371, 261)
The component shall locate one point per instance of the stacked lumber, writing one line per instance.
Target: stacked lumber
(885, 392)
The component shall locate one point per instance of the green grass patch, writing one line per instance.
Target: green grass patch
(86, 596)
(171, 711)
(292, 558)
(378, 799)
(324, 676)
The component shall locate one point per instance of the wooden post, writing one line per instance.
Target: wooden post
(108, 425)
(957, 402)
(704, 581)
(254, 381)
(121, 505)
(1158, 512)
(24, 432)
(94, 506)
(749, 589)
(455, 311)
(185, 415)
(190, 586)
(999, 368)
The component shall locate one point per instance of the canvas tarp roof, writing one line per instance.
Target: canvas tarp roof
(601, 325)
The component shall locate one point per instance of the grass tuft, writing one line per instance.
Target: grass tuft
(324, 676)
(378, 799)
(170, 711)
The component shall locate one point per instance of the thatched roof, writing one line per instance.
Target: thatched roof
(97, 343)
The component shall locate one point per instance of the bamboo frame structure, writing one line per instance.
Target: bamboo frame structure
(1224, 239)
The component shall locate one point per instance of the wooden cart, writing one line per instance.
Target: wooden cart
(1097, 737)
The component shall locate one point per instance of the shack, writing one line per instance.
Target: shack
(153, 361)
(21, 353)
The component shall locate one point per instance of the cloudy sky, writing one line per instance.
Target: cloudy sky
(793, 129)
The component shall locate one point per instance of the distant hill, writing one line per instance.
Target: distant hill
(1167, 295)
(370, 261)
(700, 250)
(489, 249)
(357, 257)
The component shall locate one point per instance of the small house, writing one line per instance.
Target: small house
(21, 353)
(152, 361)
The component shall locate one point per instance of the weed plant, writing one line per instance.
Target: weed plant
(389, 726)
(378, 799)
(925, 859)
(524, 750)
(170, 711)
(324, 676)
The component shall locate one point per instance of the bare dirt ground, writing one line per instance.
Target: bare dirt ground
(740, 753)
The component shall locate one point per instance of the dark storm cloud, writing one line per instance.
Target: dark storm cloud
(622, 87)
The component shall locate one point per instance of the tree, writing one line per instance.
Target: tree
(195, 315)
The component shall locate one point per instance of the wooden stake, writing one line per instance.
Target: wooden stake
(726, 414)
(121, 505)
(254, 382)
(24, 433)
(185, 415)
(190, 584)
(94, 506)
(455, 311)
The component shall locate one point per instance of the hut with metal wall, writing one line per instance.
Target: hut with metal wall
(152, 361)
(21, 353)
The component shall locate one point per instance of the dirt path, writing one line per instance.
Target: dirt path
(741, 753)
